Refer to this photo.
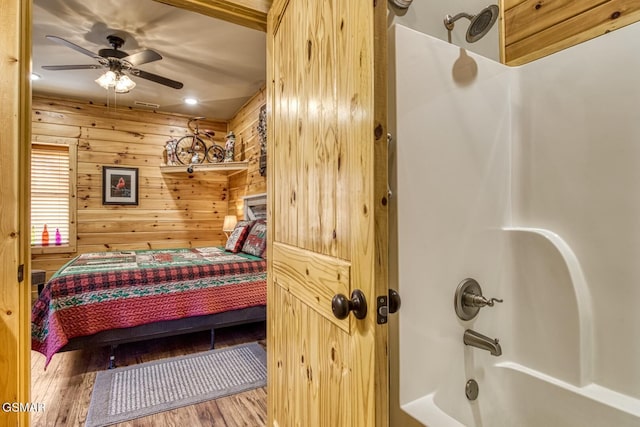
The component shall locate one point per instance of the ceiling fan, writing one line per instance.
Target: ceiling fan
(116, 61)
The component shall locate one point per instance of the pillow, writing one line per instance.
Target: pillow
(238, 236)
(257, 239)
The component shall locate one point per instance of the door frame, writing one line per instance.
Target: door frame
(15, 250)
(15, 154)
(15, 289)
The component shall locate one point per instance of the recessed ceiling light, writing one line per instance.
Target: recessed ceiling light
(35, 76)
(190, 101)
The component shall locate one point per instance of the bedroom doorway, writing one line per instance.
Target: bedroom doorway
(229, 339)
(19, 116)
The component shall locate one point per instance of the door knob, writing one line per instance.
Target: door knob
(394, 301)
(341, 305)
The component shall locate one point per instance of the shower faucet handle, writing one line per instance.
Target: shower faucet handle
(494, 300)
(473, 300)
(469, 299)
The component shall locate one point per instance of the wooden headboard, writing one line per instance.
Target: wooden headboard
(255, 206)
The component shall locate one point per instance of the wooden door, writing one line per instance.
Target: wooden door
(327, 217)
(15, 292)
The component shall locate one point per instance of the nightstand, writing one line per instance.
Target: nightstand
(38, 278)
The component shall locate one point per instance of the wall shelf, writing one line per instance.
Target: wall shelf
(222, 167)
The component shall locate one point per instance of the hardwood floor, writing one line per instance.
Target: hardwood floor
(65, 387)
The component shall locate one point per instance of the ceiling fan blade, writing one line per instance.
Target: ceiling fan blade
(143, 57)
(73, 46)
(156, 78)
(71, 67)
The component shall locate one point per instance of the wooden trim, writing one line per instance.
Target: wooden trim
(276, 13)
(41, 250)
(15, 297)
(248, 13)
(381, 208)
(24, 220)
(273, 20)
(502, 32)
(24, 241)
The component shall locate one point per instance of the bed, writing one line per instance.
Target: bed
(112, 298)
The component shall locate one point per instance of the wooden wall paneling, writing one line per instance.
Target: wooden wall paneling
(534, 28)
(173, 210)
(60, 106)
(245, 126)
(152, 244)
(196, 206)
(146, 226)
(180, 235)
(161, 191)
(532, 16)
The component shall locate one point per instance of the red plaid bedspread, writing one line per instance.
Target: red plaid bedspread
(102, 291)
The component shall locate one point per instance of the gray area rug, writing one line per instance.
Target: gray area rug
(131, 392)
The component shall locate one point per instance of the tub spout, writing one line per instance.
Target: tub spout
(478, 340)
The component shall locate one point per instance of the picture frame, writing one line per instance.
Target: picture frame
(119, 185)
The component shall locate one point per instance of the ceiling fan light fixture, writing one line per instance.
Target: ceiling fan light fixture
(124, 84)
(190, 101)
(107, 80)
(117, 61)
(118, 81)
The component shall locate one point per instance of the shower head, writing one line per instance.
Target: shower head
(480, 23)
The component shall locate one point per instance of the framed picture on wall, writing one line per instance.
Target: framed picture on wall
(119, 186)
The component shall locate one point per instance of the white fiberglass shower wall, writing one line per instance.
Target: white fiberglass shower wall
(525, 179)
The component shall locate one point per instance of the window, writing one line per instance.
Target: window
(52, 198)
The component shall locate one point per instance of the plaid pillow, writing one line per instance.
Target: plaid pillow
(238, 236)
(257, 239)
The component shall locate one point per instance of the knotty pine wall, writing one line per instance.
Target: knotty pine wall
(245, 127)
(536, 28)
(174, 210)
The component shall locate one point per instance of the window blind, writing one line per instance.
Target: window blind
(49, 193)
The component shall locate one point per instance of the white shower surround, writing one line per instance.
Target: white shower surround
(523, 179)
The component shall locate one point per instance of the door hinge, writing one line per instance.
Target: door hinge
(20, 273)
